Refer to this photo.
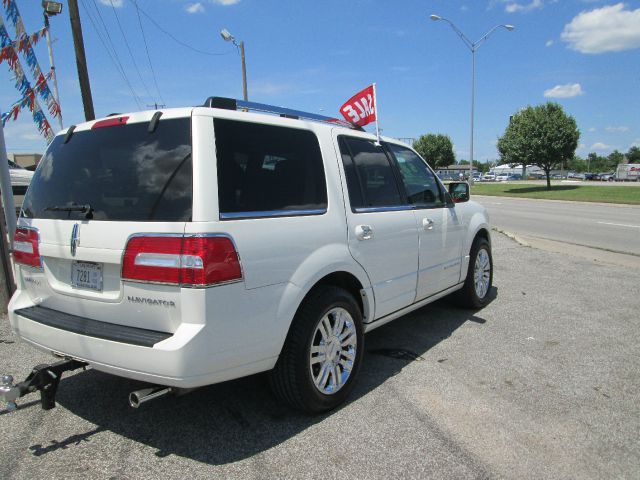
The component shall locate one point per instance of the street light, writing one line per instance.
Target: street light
(473, 46)
(227, 37)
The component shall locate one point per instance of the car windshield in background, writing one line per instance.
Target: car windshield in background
(116, 173)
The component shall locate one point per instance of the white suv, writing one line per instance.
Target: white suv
(191, 246)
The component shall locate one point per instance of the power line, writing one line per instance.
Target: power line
(115, 53)
(124, 37)
(170, 35)
(112, 55)
(146, 48)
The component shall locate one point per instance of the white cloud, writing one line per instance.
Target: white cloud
(592, 129)
(549, 43)
(620, 129)
(601, 146)
(514, 7)
(564, 91)
(607, 29)
(225, 3)
(115, 3)
(194, 8)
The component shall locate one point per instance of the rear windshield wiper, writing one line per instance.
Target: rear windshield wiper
(69, 208)
(86, 208)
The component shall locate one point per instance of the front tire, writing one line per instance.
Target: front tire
(477, 286)
(323, 351)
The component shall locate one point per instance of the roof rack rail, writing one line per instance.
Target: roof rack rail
(233, 104)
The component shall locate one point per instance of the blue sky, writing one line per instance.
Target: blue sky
(313, 55)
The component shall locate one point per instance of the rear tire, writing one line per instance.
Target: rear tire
(321, 356)
(477, 286)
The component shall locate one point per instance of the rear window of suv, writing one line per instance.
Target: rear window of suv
(120, 173)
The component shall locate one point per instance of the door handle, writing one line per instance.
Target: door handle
(364, 232)
(427, 224)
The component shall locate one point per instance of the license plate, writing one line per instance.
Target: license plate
(86, 275)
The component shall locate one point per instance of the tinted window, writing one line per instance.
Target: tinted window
(262, 168)
(370, 178)
(419, 181)
(122, 172)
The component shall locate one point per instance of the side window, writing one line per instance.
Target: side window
(370, 178)
(419, 181)
(265, 170)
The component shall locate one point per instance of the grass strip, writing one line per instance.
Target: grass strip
(579, 193)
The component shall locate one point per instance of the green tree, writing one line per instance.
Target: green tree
(633, 155)
(436, 149)
(614, 159)
(543, 135)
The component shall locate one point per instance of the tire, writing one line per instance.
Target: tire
(470, 296)
(307, 356)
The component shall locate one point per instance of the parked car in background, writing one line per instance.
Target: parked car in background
(445, 177)
(489, 177)
(503, 177)
(590, 176)
(515, 176)
(20, 178)
(608, 177)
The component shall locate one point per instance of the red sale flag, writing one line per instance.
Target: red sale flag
(361, 109)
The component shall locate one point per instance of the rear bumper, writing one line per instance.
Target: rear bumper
(171, 367)
(93, 328)
(233, 341)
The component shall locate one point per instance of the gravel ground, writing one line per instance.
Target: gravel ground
(542, 383)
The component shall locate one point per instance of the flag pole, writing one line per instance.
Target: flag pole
(375, 102)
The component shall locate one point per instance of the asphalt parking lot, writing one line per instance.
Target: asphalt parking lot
(542, 383)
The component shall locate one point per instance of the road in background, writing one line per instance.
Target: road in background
(609, 227)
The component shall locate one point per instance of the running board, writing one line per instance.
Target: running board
(392, 316)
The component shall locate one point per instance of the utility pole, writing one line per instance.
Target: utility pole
(244, 73)
(81, 61)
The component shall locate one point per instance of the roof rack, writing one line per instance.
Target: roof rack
(233, 104)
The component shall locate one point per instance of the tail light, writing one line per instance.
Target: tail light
(186, 261)
(110, 122)
(25, 247)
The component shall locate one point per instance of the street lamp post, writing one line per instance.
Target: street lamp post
(51, 9)
(473, 46)
(227, 37)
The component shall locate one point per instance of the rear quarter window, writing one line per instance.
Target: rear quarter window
(264, 170)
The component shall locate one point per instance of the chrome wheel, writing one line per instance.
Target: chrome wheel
(482, 273)
(333, 351)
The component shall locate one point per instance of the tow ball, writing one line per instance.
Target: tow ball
(43, 378)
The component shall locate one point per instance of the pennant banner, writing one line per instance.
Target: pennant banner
(25, 46)
(21, 45)
(27, 101)
(23, 86)
(361, 108)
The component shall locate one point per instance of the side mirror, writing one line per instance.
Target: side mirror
(459, 192)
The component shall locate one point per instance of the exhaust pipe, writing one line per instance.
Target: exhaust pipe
(139, 397)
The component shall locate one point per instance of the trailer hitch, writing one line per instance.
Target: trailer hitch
(43, 378)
